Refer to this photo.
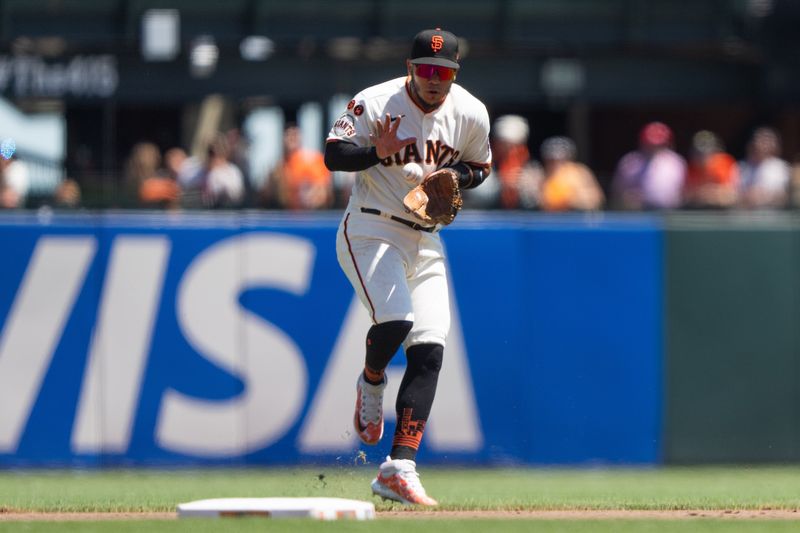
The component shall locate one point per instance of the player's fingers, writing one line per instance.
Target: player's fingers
(387, 125)
(378, 128)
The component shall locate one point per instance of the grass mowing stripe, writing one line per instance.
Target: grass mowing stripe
(665, 488)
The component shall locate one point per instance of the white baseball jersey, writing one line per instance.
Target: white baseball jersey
(458, 130)
(399, 272)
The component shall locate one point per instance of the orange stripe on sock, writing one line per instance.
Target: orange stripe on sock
(411, 442)
(408, 432)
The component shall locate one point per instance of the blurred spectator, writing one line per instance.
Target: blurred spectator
(651, 177)
(516, 178)
(147, 181)
(218, 183)
(143, 162)
(182, 168)
(14, 182)
(67, 194)
(300, 180)
(765, 177)
(568, 185)
(239, 156)
(712, 179)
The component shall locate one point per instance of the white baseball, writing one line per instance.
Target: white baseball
(412, 173)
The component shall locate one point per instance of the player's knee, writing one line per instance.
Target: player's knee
(434, 334)
(391, 333)
(425, 358)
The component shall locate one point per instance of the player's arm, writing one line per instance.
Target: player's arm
(470, 175)
(347, 157)
(385, 142)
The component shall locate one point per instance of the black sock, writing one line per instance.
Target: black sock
(415, 398)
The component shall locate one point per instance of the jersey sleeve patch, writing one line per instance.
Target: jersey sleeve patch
(345, 126)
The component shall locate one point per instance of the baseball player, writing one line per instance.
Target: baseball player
(395, 262)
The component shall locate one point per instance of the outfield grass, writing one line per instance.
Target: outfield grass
(521, 489)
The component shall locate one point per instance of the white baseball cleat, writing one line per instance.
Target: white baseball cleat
(398, 480)
(368, 418)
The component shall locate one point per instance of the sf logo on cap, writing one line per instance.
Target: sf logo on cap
(437, 42)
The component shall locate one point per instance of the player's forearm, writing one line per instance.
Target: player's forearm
(348, 157)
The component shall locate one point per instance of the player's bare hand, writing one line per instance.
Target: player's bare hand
(385, 138)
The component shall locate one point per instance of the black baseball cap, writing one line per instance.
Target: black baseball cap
(435, 47)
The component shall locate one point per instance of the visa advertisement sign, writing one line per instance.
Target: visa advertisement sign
(197, 339)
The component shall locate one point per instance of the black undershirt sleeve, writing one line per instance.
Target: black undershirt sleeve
(348, 157)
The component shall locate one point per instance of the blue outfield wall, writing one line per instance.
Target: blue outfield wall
(230, 339)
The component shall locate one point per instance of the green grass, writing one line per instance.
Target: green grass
(668, 488)
(656, 489)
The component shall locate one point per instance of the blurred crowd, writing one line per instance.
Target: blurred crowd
(552, 178)
(219, 178)
(652, 176)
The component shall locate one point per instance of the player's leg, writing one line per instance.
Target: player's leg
(383, 340)
(415, 398)
(398, 478)
(376, 270)
(424, 352)
(374, 264)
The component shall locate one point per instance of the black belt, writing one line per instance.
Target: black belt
(412, 225)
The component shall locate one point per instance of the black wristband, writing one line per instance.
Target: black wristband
(464, 175)
(469, 177)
